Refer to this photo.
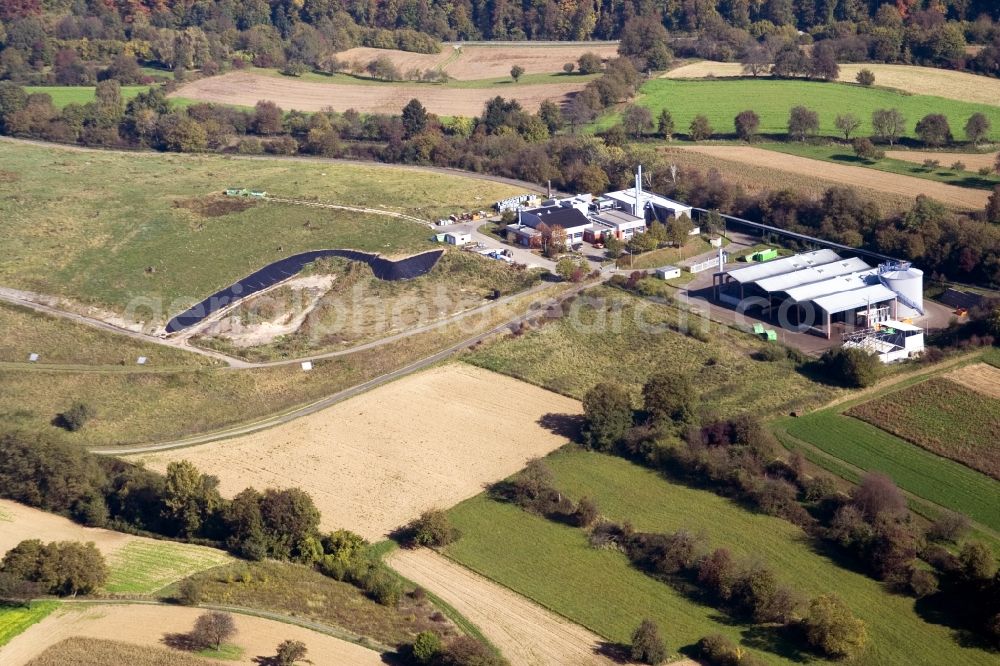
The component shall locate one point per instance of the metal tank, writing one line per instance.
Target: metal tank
(908, 283)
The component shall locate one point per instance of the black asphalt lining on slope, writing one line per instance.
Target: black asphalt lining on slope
(384, 269)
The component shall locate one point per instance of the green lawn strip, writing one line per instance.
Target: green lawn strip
(942, 417)
(16, 619)
(720, 100)
(554, 565)
(143, 567)
(920, 472)
(64, 95)
(226, 651)
(841, 154)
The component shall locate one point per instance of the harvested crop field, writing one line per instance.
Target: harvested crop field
(485, 61)
(374, 462)
(943, 417)
(146, 625)
(891, 183)
(910, 78)
(99, 652)
(523, 631)
(980, 377)
(245, 89)
(137, 565)
(972, 161)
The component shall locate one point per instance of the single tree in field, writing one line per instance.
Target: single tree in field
(866, 150)
(889, 125)
(832, 629)
(516, 72)
(289, 652)
(607, 413)
(426, 647)
(589, 63)
(637, 120)
(414, 118)
(568, 68)
(823, 62)
(847, 123)
(977, 128)
(756, 60)
(746, 123)
(665, 126)
(213, 628)
(700, 129)
(802, 123)
(933, 129)
(865, 77)
(647, 645)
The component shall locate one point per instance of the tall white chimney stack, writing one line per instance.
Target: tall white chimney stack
(638, 193)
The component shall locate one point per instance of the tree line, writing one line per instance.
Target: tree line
(870, 526)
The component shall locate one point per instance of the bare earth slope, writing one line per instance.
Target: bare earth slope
(374, 462)
(147, 624)
(246, 89)
(910, 78)
(524, 632)
(906, 186)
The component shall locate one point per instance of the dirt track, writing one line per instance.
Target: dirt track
(907, 186)
(523, 631)
(485, 62)
(375, 461)
(246, 89)
(147, 624)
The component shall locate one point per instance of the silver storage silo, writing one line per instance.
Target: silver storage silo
(908, 283)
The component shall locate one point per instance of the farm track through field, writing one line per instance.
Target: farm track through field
(525, 633)
(907, 186)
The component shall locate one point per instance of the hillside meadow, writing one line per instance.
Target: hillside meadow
(553, 564)
(721, 99)
(65, 95)
(104, 228)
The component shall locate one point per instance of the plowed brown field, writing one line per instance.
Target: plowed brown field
(374, 462)
(905, 186)
(246, 89)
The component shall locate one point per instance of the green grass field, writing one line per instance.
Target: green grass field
(226, 652)
(943, 417)
(841, 154)
(151, 231)
(553, 564)
(920, 472)
(64, 95)
(720, 100)
(59, 341)
(141, 567)
(15, 619)
(621, 337)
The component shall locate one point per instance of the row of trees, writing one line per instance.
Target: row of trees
(740, 458)
(63, 568)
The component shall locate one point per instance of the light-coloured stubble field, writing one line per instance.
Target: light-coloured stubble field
(840, 174)
(910, 78)
(246, 89)
(980, 377)
(148, 624)
(374, 462)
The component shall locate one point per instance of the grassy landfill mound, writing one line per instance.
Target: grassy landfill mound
(553, 564)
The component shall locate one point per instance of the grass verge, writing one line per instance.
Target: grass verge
(16, 619)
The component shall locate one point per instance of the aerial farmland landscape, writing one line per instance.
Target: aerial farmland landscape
(499, 334)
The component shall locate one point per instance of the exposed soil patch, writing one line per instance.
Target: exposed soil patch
(215, 205)
(374, 462)
(980, 377)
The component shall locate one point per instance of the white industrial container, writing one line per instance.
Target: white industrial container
(908, 283)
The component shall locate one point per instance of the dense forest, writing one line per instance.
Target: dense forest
(76, 41)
